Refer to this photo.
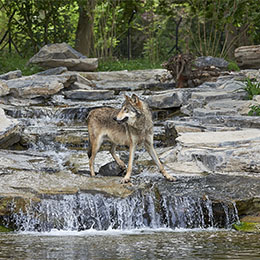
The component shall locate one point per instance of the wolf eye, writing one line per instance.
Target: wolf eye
(125, 109)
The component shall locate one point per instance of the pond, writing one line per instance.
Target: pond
(131, 244)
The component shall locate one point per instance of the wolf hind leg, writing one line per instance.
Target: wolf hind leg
(116, 158)
(94, 147)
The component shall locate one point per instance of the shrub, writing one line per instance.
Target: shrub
(254, 110)
(252, 88)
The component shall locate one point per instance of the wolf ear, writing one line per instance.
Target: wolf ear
(127, 98)
(137, 101)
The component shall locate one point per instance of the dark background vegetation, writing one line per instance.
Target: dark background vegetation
(143, 31)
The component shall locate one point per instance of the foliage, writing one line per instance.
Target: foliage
(217, 27)
(254, 110)
(133, 28)
(252, 88)
(40, 22)
(232, 66)
(13, 61)
(125, 64)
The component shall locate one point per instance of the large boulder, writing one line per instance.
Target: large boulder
(248, 57)
(63, 55)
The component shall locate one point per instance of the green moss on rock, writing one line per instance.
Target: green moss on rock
(5, 229)
(250, 227)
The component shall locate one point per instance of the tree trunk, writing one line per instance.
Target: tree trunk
(85, 29)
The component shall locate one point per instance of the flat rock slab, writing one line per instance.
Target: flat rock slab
(86, 64)
(90, 95)
(37, 85)
(10, 130)
(220, 139)
(216, 152)
(125, 75)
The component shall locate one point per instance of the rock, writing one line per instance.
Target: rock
(4, 90)
(54, 71)
(251, 74)
(11, 75)
(202, 98)
(166, 100)
(35, 86)
(111, 169)
(248, 57)
(208, 61)
(125, 80)
(61, 54)
(10, 131)
(84, 94)
(217, 152)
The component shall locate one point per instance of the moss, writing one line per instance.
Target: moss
(249, 227)
(5, 229)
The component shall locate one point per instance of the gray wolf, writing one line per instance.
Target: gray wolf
(131, 125)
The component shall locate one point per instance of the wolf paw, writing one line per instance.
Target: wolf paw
(126, 180)
(170, 178)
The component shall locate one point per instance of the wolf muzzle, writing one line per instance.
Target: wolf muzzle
(120, 121)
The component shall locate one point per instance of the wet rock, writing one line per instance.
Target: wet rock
(10, 130)
(84, 94)
(61, 54)
(11, 75)
(4, 90)
(111, 169)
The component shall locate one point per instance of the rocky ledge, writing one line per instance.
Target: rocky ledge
(203, 135)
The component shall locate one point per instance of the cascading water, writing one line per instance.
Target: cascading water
(141, 210)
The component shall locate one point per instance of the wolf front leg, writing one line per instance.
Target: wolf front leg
(150, 149)
(126, 179)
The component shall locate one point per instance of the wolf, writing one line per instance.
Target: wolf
(131, 125)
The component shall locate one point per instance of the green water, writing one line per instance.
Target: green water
(130, 245)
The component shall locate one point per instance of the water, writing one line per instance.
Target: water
(143, 209)
(131, 245)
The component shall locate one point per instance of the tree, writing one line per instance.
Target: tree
(84, 42)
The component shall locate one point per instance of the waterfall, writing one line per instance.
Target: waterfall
(141, 210)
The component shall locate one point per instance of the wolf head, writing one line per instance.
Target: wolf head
(131, 110)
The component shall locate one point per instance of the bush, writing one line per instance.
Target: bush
(254, 110)
(252, 88)
(232, 66)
